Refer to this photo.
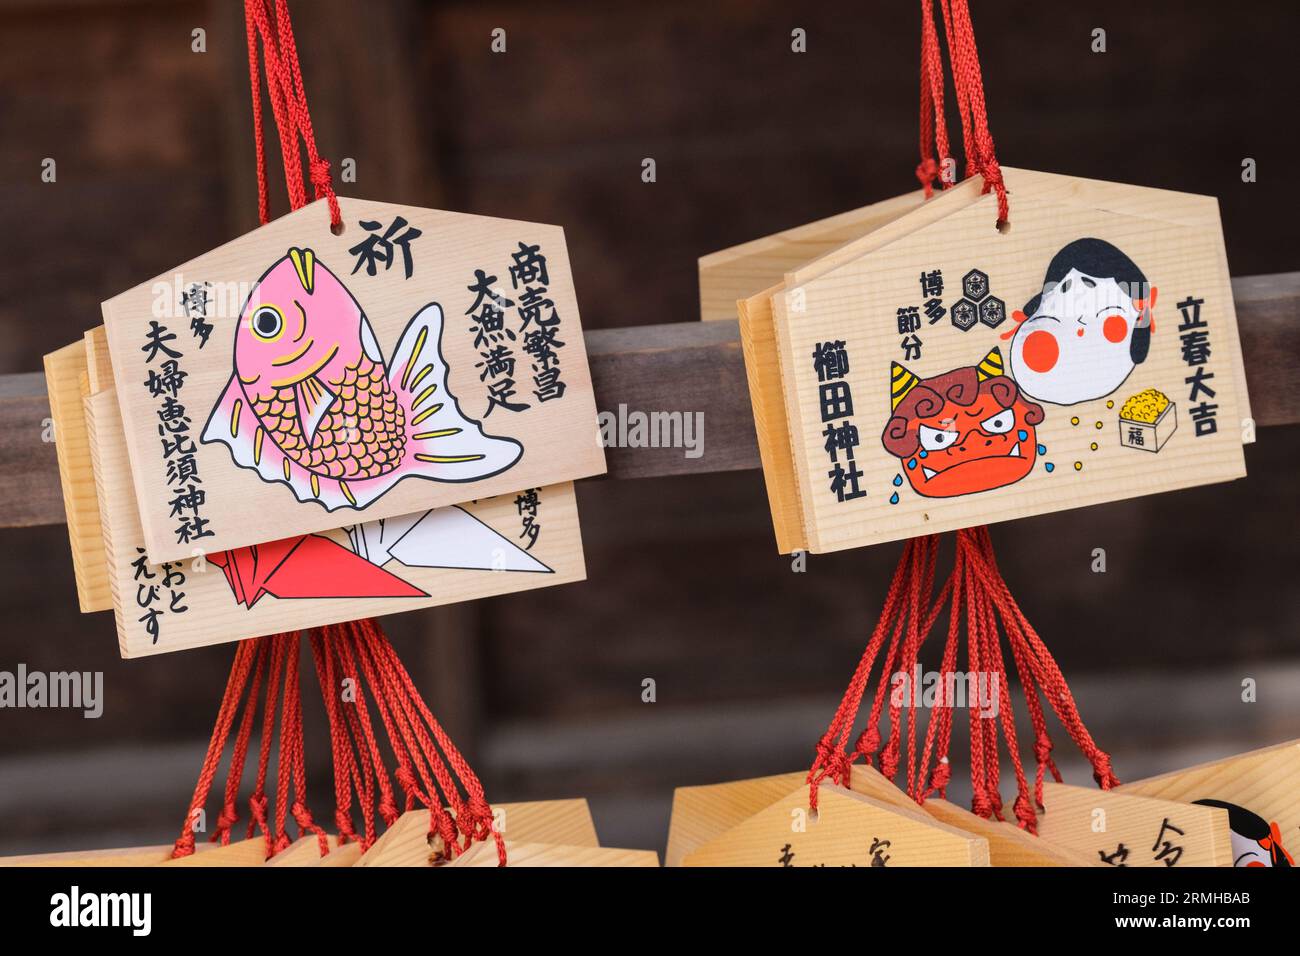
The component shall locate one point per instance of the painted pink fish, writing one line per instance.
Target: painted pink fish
(313, 404)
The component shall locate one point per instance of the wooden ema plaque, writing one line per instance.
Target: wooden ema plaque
(293, 381)
(1259, 791)
(934, 373)
(849, 829)
(438, 556)
(706, 815)
(541, 833)
(1124, 830)
(67, 381)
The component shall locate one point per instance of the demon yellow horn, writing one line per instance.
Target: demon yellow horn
(990, 366)
(304, 261)
(901, 381)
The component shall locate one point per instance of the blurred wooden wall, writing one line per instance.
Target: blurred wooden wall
(155, 166)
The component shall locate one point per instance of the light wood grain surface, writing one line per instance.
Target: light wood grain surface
(1134, 830)
(558, 436)
(213, 614)
(1175, 238)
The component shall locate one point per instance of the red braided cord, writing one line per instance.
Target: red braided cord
(1020, 652)
(976, 591)
(968, 82)
(363, 736)
(1049, 675)
(255, 12)
(869, 739)
(939, 732)
(259, 145)
(829, 760)
(346, 776)
(474, 816)
(239, 669)
(230, 811)
(289, 104)
(934, 128)
(257, 802)
(356, 652)
(907, 658)
(968, 86)
(418, 748)
(291, 739)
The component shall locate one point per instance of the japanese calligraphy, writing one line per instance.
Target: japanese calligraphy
(1194, 336)
(378, 248)
(539, 321)
(529, 322)
(195, 302)
(164, 382)
(831, 363)
(494, 339)
(526, 503)
(157, 592)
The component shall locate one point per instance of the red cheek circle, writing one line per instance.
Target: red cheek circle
(1115, 328)
(1041, 351)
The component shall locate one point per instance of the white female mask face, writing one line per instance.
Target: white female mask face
(1076, 345)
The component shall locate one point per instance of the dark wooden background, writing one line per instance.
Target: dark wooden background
(543, 690)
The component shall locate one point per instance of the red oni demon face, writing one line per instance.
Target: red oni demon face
(965, 431)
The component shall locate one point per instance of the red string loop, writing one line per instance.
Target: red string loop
(289, 106)
(968, 85)
(431, 770)
(976, 596)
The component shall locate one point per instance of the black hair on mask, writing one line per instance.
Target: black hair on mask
(1248, 824)
(1099, 259)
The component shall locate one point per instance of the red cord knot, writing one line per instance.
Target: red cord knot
(927, 171)
(323, 183)
(302, 817)
(889, 760)
(1024, 810)
(481, 817)
(869, 742)
(981, 807)
(405, 779)
(228, 817)
(343, 823)
(388, 811)
(184, 846)
(257, 809)
(1043, 750)
(1101, 771)
(320, 175)
(995, 802)
(837, 768)
(941, 774)
(992, 174)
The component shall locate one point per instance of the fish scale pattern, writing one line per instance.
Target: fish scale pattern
(362, 436)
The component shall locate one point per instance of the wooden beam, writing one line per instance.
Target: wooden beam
(679, 367)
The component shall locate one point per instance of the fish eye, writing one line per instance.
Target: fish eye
(1000, 423)
(934, 439)
(266, 322)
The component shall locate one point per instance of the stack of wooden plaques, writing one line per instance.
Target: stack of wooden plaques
(1239, 811)
(323, 487)
(542, 833)
(104, 532)
(841, 318)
